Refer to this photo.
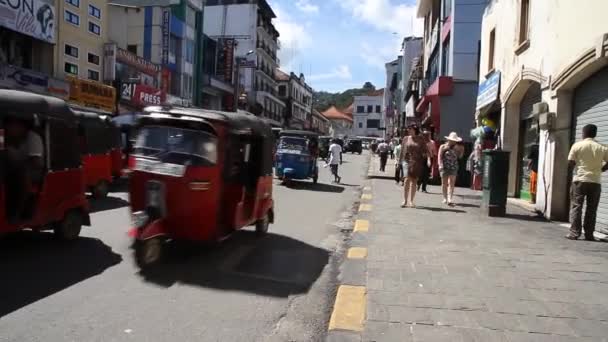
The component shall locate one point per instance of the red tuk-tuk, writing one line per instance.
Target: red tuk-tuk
(100, 151)
(198, 175)
(44, 189)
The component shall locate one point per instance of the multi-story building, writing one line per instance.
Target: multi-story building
(369, 116)
(165, 34)
(218, 71)
(412, 49)
(393, 95)
(246, 25)
(554, 57)
(451, 46)
(340, 124)
(297, 96)
(320, 123)
(27, 51)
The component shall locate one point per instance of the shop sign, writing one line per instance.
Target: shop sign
(139, 63)
(147, 96)
(166, 30)
(165, 80)
(488, 90)
(92, 94)
(225, 59)
(35, 18)
(12, 77)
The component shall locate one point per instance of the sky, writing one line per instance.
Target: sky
(341, 44)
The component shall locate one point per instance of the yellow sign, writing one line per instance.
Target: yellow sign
(92, 94)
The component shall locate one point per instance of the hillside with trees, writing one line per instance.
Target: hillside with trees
(324, 100)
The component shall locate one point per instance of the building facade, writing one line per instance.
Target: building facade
(340, 124)
(247, 26)
(450, 62)
(320, 123)
(297, 96)
(551, 80)
(393, 95)
(369, 116)
(165, 33)
(27, 52)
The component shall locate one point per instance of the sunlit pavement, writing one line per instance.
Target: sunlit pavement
(281, 287)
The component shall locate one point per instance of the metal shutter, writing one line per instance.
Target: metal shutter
(591, 107)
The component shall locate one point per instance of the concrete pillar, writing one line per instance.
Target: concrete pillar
(509, 136)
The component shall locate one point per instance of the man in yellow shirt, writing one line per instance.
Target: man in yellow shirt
(590, 159)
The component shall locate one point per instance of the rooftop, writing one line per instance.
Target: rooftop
(333, 113)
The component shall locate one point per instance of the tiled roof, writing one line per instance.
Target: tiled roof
(349, 110)
(333, 113)
(280, 75)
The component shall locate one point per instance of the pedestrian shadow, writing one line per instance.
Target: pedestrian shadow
(275, 265)
(37, 265)
(526, 217)
(104, 204)
(467, 205)
(319, 187)
(437, 209)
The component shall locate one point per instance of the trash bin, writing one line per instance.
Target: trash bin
(495, 182)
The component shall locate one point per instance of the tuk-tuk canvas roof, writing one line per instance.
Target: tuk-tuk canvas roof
(24, 104)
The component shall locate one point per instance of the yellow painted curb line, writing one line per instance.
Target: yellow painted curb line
(361, 225)
(357, 253)
(366, 197)
(365, 207)
(349, 309)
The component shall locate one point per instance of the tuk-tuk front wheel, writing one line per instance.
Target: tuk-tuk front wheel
(261, 227)
(101, 190)
(148, 252)
(69, 228)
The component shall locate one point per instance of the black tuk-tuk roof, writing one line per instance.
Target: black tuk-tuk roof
(25, 104)
(240, 122)
(297, 133)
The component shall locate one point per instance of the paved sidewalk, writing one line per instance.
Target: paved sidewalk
(451, 274)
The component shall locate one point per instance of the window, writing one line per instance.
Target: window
(71, 68)
(378, 109)
(93, 75)
(189, 51)
(94, 12)
(524, 17)
(370, 109)
(71, 18)
(447, 8)
(73, 2)
(70, 50)
(190, 16)
(282, 91)
(360, 109)
(132, 49)
(491, 50)
(93, 58)
(360, 124)
(94, 28)
(445, 62)
(373, 123)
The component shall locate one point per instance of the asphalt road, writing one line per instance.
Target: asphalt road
(279, 288)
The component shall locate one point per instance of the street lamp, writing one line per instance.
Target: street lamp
(237, 79)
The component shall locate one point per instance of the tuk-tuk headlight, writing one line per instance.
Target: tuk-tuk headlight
(139, 219)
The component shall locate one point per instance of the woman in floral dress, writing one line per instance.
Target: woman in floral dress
(414, 154)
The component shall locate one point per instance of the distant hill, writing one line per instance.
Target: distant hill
(324, 100)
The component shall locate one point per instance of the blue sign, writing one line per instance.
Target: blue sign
(488, 90)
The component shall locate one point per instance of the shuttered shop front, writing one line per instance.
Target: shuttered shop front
(591, 107)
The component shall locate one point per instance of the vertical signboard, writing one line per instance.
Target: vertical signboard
(109, 62)
(225, 58)
(166, 35)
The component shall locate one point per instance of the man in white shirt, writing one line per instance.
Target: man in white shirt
(25, 162)
(335, 159)
(383, 152)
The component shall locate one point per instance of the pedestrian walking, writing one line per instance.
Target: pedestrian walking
(448, 155)
(414, 154)
(335, 159)
(533, 168)
(398, 166)
(391, 149)
(590, 159)
(426, 172)
(383, 152)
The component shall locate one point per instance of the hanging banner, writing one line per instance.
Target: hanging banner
(225, 59)
(147, 96)
(488, 90)
(166, 35)
(35, 18)
(109, 62)
(92, 94)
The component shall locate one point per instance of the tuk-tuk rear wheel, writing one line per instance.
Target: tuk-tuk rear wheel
(69, 228)
(148, 252)
(261, 227)
(101, 190)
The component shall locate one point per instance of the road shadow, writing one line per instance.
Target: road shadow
(467, 205)
(319, 187)
(525, 217)
(438, 209)
(37, 265)
(104, 204)
(275, 265)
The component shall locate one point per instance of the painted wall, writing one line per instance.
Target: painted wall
(464, 38)
(557, 36)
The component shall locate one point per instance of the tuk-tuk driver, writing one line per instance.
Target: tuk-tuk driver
(25, 162)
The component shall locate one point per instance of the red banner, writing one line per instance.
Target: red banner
(148, 96)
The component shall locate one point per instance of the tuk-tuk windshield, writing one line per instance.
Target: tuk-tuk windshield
(177, 145)
(293, 145)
